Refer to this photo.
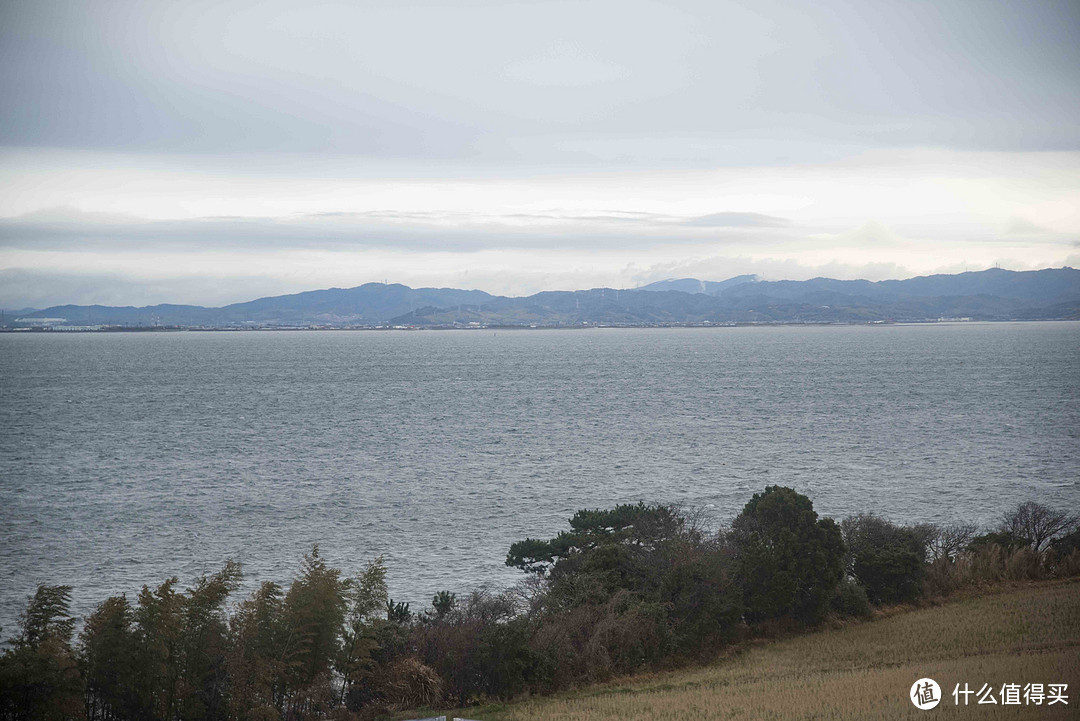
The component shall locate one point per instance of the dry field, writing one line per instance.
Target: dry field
(862, 671)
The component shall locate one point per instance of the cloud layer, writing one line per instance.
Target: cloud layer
(204, 151)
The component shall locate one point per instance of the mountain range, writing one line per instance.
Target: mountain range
(993, 294)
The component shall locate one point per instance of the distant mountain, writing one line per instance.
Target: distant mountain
(693, 285)
(563, 308)
(985, 295)
(1040, 286)
(17, 312)
(368, 304)
(993, 294)
(371, 303)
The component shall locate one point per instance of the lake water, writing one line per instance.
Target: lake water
(128, 458)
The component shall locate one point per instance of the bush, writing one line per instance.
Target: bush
(1069, 565)
(480, 648)
(888, 560)
(1024, 564)
(850, 600)
(1065, 545)
(945, 575)
(411, 684)
(631, 635)
(700, 592)
(1004, 540)
(789, 561)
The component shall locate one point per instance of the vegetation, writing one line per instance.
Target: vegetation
(855, 672)
(636, 588)
(886, 559)
(790, 561)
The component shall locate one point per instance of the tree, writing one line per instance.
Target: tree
(639, 525)
(314, 614)
(39, 677)
(202, 649)
(888, 560)
(789, 560)
(1037, 524)
(366, 596)
(1004, 540)
(621, 589)
(258, 642)
(946, 542)
(442, 604)
(158, 631)
(107, 655)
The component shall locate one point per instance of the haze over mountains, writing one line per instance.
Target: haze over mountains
(993, 294)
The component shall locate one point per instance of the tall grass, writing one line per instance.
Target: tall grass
(992, 564)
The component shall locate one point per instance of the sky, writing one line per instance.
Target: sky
(214, 152)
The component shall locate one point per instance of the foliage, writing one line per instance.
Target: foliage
(256, 660)
(364, 596)
(850, 672)
(886, 559)
(1004, 540)
(789, 560)
(479, 647)
(627, 588)
(631, 588)
(630, 525)
(851, 600)
(107, 655)
(39, 677)
(443, 603)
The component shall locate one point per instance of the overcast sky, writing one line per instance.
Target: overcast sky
(210, 152)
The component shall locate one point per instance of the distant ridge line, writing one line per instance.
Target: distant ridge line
(993, 294)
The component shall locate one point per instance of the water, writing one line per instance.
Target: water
(128, 458)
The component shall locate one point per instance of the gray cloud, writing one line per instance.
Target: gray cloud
(466, 124)
(36, 288)
(738, 220)
(598, 82)
(70, 230)
(722, 267)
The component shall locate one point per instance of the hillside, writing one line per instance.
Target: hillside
(862, 671)
(995, 294)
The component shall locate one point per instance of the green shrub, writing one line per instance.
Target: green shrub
(887, 559)
(850, 600)
(789, 560)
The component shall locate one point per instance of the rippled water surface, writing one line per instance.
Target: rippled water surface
(128, 458)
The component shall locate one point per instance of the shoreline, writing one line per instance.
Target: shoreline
(584, 326)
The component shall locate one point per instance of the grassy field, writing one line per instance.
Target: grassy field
(861, 671)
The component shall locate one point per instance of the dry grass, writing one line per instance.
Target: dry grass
(861, 671)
